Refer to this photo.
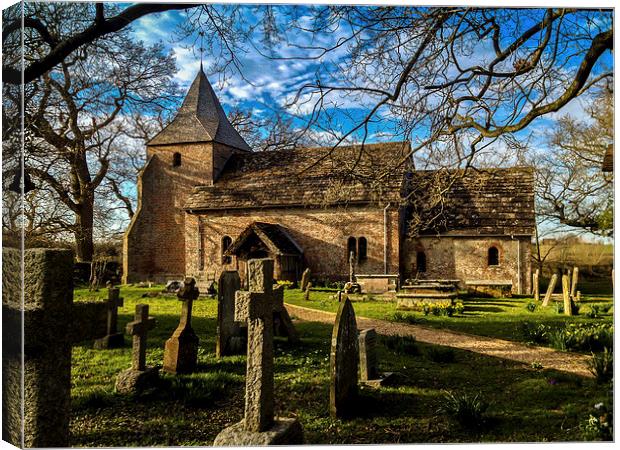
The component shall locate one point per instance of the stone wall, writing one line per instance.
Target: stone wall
(466, 259)
(154, 244)
(321, 233)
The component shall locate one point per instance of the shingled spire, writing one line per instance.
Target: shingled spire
(200, 119)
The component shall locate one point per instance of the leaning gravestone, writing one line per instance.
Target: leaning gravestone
(550, 289)
(536, 286)
(256, 306)
(112, 339)
(574, 282)
(283, 325)
(229, 339)
(343, 363)
(139, 377)
(181, 350)
(51, 323)
(568, 304)
(305, 279)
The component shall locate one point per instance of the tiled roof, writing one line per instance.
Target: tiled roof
(307, 177)
(274, 236)
(200, 119)
(486, 201)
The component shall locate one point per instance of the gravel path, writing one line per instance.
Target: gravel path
(498, 348)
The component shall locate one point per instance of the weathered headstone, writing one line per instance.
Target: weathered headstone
(351, 267)
(112, 339)
(283, 324)
(550, 289)
(181, 350)
(305, 279)
(568, 310)
(229, 339)
(536, 286)
(343, 362)
(139, 377)
(307, 291)
(574, 281)
(369, 369)
(256, 306)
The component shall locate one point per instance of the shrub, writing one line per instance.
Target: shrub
(445, 308)
(399, 316)
(599, 424)
(602, 366)
(467, 409)
(286, 284)
(536, 333)
(440, 354)
(582, 337)
(401, 344)
(531, 307)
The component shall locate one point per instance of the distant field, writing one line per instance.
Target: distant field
(591, 258)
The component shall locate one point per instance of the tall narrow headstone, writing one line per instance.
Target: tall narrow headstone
(256, 307)
(351, 267)
(139, 377)
(574, 281)
(536, 286)
(550, 289)
(112, 339)
(305, 278)
(229, 340)
(181, 350)
(343, 362)
(568, 310)
(369, 369)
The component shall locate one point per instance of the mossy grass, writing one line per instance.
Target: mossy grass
(526, 405)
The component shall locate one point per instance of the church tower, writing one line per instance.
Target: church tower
(190, 151)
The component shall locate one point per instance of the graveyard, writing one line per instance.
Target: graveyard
(525, 402)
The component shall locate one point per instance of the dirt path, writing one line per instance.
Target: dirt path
(499, 348)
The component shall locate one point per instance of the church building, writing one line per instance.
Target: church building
(208, 203)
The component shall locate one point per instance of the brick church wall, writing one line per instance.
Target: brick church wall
(466, 259)
(155, 240)
(321, 233)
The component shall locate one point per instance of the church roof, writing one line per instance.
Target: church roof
(478, 202)
(201, 118)
(274, 236)
(307, 177)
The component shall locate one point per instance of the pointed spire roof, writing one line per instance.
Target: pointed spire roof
(201, 118)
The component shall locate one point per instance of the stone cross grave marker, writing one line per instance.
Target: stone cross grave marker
(343, 362)
(305, 278)
(138, 377)
(229, 340)
(550, 289)
(181, 350)
(574, 281)
(536, 286)
(112, 339)
(256, 307)
(568, 310)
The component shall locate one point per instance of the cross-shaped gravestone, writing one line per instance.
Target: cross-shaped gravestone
(112, 339)
(256, 307)
(181, 350)
(139, 329)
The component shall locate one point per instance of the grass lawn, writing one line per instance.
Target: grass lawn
(501, 318)
(526, 404)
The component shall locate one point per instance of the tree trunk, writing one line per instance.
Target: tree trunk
(84, 247)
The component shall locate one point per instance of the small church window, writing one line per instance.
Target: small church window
(493, 256)
(362, 249)
(176, 159)
(351, 247)
(226, 242)
(420, 261)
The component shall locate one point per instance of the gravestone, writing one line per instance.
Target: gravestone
(305, 279)
(536, 286)
(369, 366)
(181, 350)
(229, 338)
(568, 310)
(51, 324)
(574, 281)
(343, 362)
(307, 291)
(112, 339)
(256, 306)
(139, 377)
(550, 289)
(283, 324)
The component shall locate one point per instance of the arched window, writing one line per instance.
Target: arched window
(226, 242)
(493, 256)
(351, 247)
(176, 159)
(362, 249)
(420, 261)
